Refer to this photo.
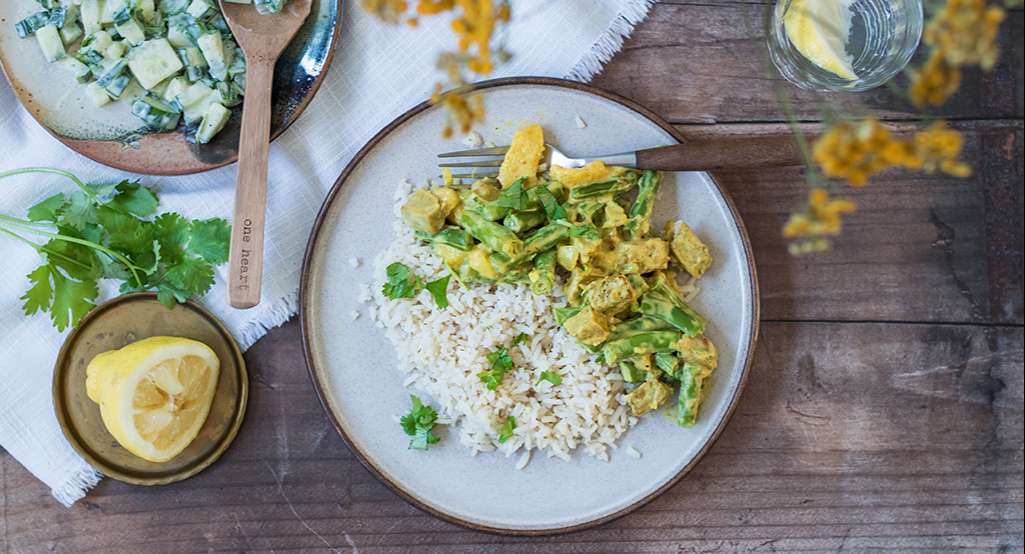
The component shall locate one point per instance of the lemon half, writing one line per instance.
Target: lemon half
(154, 394)
(819, 30)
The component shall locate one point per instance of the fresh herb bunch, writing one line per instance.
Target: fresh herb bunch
(111, 231)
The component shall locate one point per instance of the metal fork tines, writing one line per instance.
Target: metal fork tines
(489, 158)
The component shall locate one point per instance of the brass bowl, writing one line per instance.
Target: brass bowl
(114, 324)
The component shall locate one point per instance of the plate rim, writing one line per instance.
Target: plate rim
(100, 465)
(80, 146)
(305, 325)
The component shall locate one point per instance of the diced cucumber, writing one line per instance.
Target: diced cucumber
(195, 100)
(174, 89)
(98, 41)
(92, 11)
(132, 31)
(171, 7)
(50, 43)
(268, 6)
(58, 17)
(97, 94)
(116, 50)
(158, 115)
(111, 7)
(213, 122)
(71, 32)
(114, 79)
(212, 47)
(153, 61)
(31, 24)
(80, 70)
(198, 8)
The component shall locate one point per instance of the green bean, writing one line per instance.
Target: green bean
(662, 302)
(630, 372)
(642, 343)
(544, 238)
(669, 363)
(519, 222)
(566, 312)
(494, 236)
(542, 195)
(488, 210)
(638, 325)
(598, 189)
(689, 403)
(542, 278)
(449, 236)
(640, 212)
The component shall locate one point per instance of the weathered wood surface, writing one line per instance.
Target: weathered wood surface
(885, 409)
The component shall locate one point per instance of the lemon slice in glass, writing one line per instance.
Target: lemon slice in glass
(819, 30)
(154, 394)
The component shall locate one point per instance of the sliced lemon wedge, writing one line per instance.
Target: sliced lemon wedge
(819, 30)
(154, 394)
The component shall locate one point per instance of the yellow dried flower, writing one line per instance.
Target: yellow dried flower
(821, 218)
(935, 82)
(474, 25)
(966, 32)
(857, 150)
(937, 149)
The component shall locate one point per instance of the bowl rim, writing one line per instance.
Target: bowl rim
(305, 324)
(82, 146)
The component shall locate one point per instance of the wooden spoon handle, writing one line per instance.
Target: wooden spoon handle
(246, 253)
(724, 153)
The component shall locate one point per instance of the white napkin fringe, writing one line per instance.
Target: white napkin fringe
(81, 479)
(610, 42)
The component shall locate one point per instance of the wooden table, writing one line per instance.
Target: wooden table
(885, 404)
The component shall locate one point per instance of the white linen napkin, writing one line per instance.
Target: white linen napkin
(377, 73)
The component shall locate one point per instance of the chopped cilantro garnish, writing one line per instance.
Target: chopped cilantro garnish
(585, 230)
(553, 210)
(552, 377)
(438, 288)
(401, 281)
(501, 363)
(419, 423)
(514, 197)
(506, 431)
(520, 338)
(110, 232)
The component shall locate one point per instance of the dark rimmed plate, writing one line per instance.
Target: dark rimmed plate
(111, 135)
(352, 364)
(127, 319)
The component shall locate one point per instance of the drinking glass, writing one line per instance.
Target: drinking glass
(884, 35)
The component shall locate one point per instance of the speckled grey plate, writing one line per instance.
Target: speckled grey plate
(352, 364)
(111, 135)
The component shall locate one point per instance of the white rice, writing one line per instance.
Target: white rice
(442, 351)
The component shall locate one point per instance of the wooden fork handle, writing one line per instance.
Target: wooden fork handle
(245, 268)
(724, 153)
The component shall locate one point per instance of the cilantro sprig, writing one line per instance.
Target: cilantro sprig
(552, 377)
(507, 429)
(403, 282)
(111, 231)
(501, 362)
(419, 423)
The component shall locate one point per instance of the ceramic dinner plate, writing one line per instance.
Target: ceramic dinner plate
(111, 135)
(354, 367)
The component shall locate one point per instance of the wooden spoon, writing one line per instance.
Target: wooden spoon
(262, 38)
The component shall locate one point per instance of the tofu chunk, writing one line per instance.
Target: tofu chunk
(611, 294)
(590, 326)
(424, 212)
(648, 397)
(689, 251)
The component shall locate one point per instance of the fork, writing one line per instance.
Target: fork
(262, 38)
(777, 150)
